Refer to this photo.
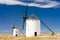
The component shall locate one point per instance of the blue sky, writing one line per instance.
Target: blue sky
(12, 14)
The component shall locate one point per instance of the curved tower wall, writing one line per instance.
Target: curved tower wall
(15, 32)
(32, 27)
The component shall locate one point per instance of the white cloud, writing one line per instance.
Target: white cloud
(52, 4)
(42, 0)
(15, 2)
(11, 2)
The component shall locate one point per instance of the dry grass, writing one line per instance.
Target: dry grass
(22, 37)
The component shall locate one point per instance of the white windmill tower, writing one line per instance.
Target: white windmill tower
(32, 26)
(15, 31)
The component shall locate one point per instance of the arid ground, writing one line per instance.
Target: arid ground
(23, 37)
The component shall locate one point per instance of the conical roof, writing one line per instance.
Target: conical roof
(32, 17)
(15, 27)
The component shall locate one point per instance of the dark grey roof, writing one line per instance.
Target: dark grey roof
(32, 17)
(14, 27)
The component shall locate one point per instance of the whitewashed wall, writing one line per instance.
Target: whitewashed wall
(32, 26)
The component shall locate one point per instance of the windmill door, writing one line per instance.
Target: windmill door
(35, 33)
(16, 35)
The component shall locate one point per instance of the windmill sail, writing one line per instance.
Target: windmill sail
(25, 16)
(47, 27)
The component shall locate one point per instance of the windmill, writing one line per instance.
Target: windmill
(15, 31)
(25, 17)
